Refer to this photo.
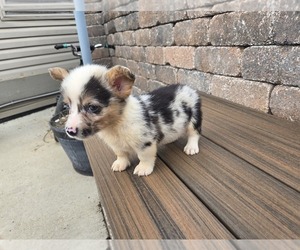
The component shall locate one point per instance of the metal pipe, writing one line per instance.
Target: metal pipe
(82, 31)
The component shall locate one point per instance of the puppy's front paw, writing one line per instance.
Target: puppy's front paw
(143, 169)
(120, 165)
(191, 149)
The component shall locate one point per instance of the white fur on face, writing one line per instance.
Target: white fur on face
(73, 87)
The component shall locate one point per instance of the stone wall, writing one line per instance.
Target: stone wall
(250, 58)
(96, 31)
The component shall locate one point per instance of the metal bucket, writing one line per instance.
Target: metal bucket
(74, 149)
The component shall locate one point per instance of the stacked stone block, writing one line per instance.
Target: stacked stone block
(251, 58)
(97, 33)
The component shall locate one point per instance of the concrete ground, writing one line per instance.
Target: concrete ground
(41, 196)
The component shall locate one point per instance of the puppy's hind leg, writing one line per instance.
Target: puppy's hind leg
(147, 157)
(192, 147)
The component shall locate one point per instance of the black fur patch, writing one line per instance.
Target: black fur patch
(151, 120)
(95, 89)
(86, 132)
(198, 116)
(146, 114)
(147, 144)
(161, 100)
(187, 110)
(159, 134)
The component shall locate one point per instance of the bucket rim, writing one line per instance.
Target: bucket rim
(59, 131)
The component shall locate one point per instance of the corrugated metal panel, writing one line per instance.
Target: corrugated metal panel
(36, 9)
(36, 41)
(34, 31)
(27, 51)
(30, 23)
(34, 70)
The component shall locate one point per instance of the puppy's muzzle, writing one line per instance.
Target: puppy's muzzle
(72, 132)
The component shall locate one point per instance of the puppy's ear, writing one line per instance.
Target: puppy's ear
(121, 80)
(58, 73)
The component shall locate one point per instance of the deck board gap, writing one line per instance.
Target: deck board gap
(202, 201)
(245, 160)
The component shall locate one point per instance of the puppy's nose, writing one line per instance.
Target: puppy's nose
(71, 131)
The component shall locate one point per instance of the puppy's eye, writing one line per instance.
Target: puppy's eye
(93, 109)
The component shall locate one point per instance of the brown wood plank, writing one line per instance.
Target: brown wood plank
(119, 197)
(270, 143)
(253, 204)
(155, 207)
(185, 244)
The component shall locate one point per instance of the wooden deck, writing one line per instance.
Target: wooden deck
(243, 184)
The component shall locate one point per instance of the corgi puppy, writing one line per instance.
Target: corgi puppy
(101, 103)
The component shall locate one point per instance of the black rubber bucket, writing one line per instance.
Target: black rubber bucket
(74, 149)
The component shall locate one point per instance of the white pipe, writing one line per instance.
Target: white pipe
(82, 31)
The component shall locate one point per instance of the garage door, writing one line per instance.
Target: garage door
(28, 31)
